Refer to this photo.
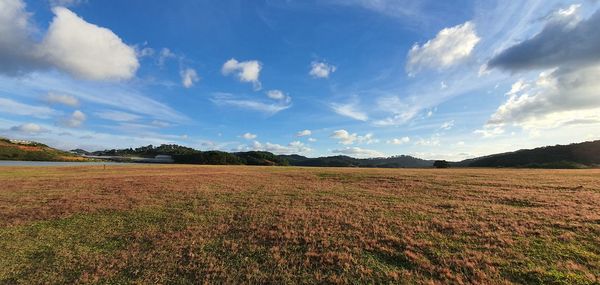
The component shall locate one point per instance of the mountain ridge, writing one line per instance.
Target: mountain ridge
(575, 155)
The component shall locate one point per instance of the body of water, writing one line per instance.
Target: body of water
(58, 163)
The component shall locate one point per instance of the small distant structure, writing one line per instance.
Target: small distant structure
(161, 158)
(23, 142)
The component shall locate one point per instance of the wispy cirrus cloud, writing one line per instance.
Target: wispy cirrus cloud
(9, 106)
(350, 110)
(271, 108)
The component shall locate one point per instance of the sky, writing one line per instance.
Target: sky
(365, 78)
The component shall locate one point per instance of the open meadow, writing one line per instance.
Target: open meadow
(237, 224)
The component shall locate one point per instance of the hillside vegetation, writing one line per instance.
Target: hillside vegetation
(34, 152)
(579, 155)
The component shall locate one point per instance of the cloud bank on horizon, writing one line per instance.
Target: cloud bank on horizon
(419, 77)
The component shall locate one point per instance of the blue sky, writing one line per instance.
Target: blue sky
(364, 78)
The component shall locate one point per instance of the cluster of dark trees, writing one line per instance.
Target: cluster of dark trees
(147, 151)
(346, 161)
(187, 155)
(579, 155)
(226, 158)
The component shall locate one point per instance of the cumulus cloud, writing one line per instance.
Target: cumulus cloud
(304, 133)
(64, 99)
(28, 128)
(568, 91)
(17, 49)
(450, 46)
(189, 77)
(358, 152)
(86, 50)
(399, 141)
(75, 120)
(70, 44)
(566, 40)
(278, 95)
(249, 136)
(346, 138)
(246, 71)
(555, 98)
(294, 147)
(350, 110)
(8, 106)
(321, 69)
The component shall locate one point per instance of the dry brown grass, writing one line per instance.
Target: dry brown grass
(237, 224)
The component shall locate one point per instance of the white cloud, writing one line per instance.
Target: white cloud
(447, 125)
(189, 77)
(450, 46)
(275, 94)
(249, 136)
(65, 99)
(321, 69)
(160, 124)
(17, 53)
(8, 106)
(117, 116)
(66, 3)
(75, 120)
(304, 133)
(116, 95)
(358, 152)
(312, 139)
(399, 141)
(568, 93)
(246, 71)
(402, 111)
(28, 128)
(144, 52)
(164, 55)
(433, 141)
(226, 99)
(349, 110)
(71, 44)
(556, 98)
(279, 95)
(346, 138)
(86, 50)
(294, 147)
(490, 131)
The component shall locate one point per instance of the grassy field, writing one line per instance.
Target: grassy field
(237, 224)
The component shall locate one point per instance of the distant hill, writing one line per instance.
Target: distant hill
(346, 161)
(186, 155)
(33, 151)
(577, 155)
